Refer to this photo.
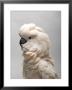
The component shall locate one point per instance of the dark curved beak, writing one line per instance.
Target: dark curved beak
(22, 41)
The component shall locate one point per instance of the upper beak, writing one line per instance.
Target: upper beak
(22, 41)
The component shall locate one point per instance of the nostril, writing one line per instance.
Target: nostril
(22, 41)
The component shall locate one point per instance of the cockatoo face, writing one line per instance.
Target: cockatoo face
(33, 38)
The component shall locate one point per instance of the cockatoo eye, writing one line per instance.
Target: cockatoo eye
(29, 37)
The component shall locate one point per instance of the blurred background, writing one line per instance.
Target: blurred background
(50, 21)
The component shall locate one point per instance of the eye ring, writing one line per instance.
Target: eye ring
(29, 37)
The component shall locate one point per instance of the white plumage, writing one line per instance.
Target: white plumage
(38, 63)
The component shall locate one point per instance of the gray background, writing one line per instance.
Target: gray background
(50, 21)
